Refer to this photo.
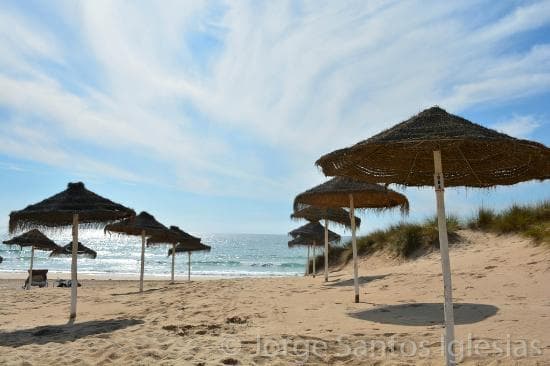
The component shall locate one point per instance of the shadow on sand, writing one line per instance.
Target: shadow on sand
(63, 333)
(426, 313)
(362, 280)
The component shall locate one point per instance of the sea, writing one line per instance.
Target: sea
(232, 255)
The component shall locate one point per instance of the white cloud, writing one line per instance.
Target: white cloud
(518, 126)
(36, 146)
(298, 79)
(523, 18)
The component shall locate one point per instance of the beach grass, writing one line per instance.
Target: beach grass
(532, 221)
(409, 239)
(401, 240)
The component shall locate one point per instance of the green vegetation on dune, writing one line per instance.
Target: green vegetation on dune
(402, 240)
(532, 221)
(405, 240)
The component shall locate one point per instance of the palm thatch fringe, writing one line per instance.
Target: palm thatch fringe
(336, 191)
(59, 209)
(67, 250)
(303, 241)
(314, 231)
(176, 236)
(33, 238)
(335, 215)
(137, 224)
(184, 248)
(472, 155)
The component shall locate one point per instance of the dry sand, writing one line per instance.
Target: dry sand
(501, 287)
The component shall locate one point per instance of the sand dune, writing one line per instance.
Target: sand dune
(501, 288)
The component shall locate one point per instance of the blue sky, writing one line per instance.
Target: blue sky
(210, 115)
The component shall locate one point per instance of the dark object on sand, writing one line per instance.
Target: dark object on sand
(39, 278)
(66, 283)
(36, 240)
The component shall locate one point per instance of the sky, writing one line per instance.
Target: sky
(210, 115)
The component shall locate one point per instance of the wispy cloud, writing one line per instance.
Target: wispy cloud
(518, 126)
(240, 98)
(10, 166)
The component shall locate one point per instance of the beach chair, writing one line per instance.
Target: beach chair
(39, 278)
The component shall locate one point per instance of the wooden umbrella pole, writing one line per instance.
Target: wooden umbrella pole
(354, 248)
(314, 258)
(74, 280)
(142, 260)
(445, 260)
(173, 260)
(307, 263)
(188, 266)
(326, 250)
(29, 284)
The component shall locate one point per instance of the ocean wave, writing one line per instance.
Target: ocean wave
(291, 265)
(233, 255)
(216, 263)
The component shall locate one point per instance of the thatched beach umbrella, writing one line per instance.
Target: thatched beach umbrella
(312, 233)
(435, 148)
(189, 248)
(74, 205)
(36, 240)
(177, 236)
(301, 241)
(67, 250)
(335, 214)
(345, 192)
(142, 225)
(304, 241)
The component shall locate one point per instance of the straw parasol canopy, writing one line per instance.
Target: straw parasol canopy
(436, 148)
(305, 241)
(299, 241)
(472, 155)
(335, 214)
(184, 248)
(137, 224)
(142, 225)
(314, 232)
(181, 242)
(74, 205)
(336, 193)
(58, 210)
(67, 251)
(36, 240)
(346, 192)
(175, 236)
(33, 238)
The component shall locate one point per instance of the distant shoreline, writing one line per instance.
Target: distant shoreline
(54, 275)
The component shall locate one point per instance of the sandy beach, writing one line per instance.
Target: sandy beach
(500, 288)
